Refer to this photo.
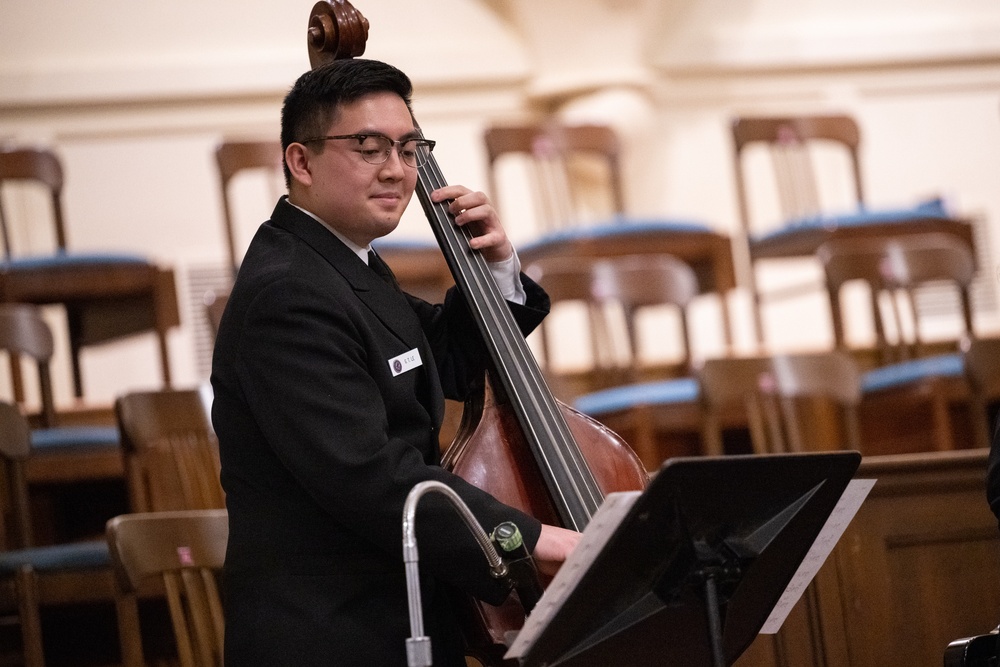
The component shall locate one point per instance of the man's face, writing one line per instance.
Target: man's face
(362, 201)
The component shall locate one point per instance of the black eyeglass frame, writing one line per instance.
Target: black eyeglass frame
(397, 143)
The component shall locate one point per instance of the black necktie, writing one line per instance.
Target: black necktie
(382, 269)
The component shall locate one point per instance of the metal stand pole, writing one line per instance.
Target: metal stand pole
(418, 646)
(714, 622)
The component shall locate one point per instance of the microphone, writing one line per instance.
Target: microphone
(418, 646)
(521, 571)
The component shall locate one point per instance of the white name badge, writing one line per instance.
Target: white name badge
(405, 362)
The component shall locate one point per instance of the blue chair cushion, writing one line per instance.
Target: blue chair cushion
(618, 226)
(73, 556)
(47, 439)
(69, 260)
(660, 392)
(897, 375)
(933, 208)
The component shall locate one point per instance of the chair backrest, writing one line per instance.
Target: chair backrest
(15, 447)
(185, 550)
(233, 157)
(615, 290)
(893, 267)
(171, 452)
(23, 331)
(774, 392)
(573, 171)
(982, 371)
(790, 142)
(38, 165)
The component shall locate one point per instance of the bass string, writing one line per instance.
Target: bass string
(570, 474)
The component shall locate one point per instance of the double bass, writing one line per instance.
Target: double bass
(515, 441)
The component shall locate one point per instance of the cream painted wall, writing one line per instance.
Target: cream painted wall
(134, 96)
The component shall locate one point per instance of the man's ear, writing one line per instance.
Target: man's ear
(297, 158)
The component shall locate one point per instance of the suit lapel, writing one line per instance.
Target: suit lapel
(387, 304)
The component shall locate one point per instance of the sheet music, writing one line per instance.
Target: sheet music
(595, 536)
(855, 493)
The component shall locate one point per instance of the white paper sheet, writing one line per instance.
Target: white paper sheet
(855, 493)
(597, 533)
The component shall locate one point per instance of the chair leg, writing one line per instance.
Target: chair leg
(645, 437)
(129, 632)
(165, 316)
(73, 321)
(164, 358)
(943, 438)
(31, 620)
(979, 418)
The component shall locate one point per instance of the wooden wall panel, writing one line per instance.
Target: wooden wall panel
(917, 568)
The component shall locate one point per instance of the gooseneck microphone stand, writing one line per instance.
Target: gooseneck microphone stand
(418, 646)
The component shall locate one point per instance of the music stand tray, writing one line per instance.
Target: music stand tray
(696, 565)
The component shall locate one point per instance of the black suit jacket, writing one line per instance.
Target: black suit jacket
(320, 445)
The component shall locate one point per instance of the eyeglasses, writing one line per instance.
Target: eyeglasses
(375, 148)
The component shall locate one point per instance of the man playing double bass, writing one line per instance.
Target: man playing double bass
(329, 386)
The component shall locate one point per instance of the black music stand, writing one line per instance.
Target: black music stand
(696, 566)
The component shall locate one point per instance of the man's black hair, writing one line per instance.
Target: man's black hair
(313, 103)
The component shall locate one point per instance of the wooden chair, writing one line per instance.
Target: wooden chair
(907, 372)
(786, 399)
(60, 453)
(894, 268)
(106, 296)
(615, 290)
(807, 210)
(573, 171)
(789, 140)
(182, 551)
(171, 452)
(32, 577)
(659, 419)
(982, 372)
(234, 157)
(706, 252)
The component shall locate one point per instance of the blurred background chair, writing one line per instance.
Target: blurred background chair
(235, 157)
(570, 179)
(241, 164)
(61, 452)
(614, 291)
(106, 296)
(659, 419)
(183, 553)
(707, 253)
(33, 577)
(171, 452)
(907, 370)
(982, 372)
(573, 172)
(812, 165)
(791, 403)
(894, 268)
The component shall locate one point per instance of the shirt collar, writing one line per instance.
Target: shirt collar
(355, 248)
